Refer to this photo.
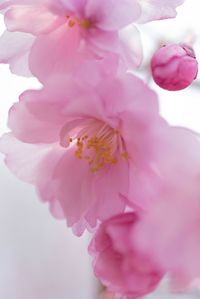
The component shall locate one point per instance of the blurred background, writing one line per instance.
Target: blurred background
(39, 257)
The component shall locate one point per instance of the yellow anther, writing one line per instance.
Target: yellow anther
(94, 169)
(71, 23)
(84, 137)
(87, 157)
(114, 161)
(86, 24)
(125, 155)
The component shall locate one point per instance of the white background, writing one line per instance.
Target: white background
(39, 256)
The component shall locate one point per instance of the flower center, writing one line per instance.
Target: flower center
(99, 144)
(83, 23)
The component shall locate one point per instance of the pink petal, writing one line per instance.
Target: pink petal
(108, 198)
(34, 164)
(169, 229)
(37, 117)
(61, 46)
(14, 48)
(21, 158)
(35, 19)
(158, 9)
(73, 186)
(131, 47)
(103, 40)
(112, 15)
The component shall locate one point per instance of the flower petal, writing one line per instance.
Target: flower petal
(112, 15)
(61, 46)
(158, 9)
(14, 48)
(37, 117)
(34, 19)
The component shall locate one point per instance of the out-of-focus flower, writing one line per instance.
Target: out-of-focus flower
(88, 148)
(174, 67)
(118, 264)
(68, 31)
(170, 229)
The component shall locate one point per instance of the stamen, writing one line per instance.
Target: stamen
(86, 24)
(71, 23)
(125, 155)
(83, 23)
(99, 144)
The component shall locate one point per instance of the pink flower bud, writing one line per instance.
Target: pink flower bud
(174, 67)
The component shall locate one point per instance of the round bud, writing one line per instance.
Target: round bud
(174, 66)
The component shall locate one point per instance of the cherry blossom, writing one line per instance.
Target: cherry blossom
(90, 146)
(70, 31)
(118, 264)
(49, 36)
(169, 229)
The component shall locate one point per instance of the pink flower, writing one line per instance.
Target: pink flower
(118, 264)
(174, 67)
(170, 229)
(73, 30)
(158, 9)
(51, 36)
(89, 147)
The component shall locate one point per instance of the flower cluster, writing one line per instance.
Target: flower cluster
(93, 143)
